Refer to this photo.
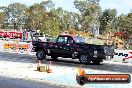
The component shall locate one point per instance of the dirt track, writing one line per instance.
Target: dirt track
(20, 66)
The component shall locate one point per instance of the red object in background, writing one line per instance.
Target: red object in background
(12, 34)
(119, 33)
(18, 35)
(130, 56)
(1, 33)
(6, 34)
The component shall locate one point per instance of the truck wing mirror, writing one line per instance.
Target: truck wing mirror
(70, 42)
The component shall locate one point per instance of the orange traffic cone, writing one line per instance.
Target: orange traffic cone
(81, 71)
(49, 70)
(124, 60)
(38, 65)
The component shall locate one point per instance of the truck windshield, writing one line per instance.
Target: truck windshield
(62, 39)
(79, 39)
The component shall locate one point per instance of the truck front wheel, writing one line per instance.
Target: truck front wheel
(84, 59)
(41, 54)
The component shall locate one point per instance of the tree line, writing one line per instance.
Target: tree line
(50, 20)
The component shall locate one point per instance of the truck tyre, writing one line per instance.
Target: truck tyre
(41, 54)
(54, 58)
(84, 59)
(96, 62)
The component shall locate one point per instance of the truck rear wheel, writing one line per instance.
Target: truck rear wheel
(84, 59)
(41, 54)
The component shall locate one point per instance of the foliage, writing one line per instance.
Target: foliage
(124, 23)
(90, 11)
(52, 21)
(107, 20)
(2, 18)
(36, 14)
(73, 31)
(15, 15)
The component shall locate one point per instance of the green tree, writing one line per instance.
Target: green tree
(58, 20)
(90, 11)
(108, 20)
(121, 22)
(15, 15)
(42, 16)
(124, 23)
(36, 13)
(129, 23)
(2, 18)
(48, 4)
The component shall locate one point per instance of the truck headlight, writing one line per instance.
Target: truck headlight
(104, 51)
(95, 52)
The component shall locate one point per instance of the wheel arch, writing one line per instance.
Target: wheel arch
(39, 52)
(40, 48)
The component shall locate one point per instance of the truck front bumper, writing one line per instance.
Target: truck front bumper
(99, 55)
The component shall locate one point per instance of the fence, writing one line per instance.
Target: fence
(123, 55)
(15, 46)
(95, 41)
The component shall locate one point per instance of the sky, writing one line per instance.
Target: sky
(122, 6)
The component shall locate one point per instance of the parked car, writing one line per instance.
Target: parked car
(39, 37)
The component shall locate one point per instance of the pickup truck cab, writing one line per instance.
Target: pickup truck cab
(68, 46)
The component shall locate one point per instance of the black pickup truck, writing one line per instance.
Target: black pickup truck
(67, 46)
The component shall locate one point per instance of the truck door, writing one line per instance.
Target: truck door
(58, 47)
(69, 47)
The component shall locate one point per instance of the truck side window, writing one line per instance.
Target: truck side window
(62, 40)
(70, 41)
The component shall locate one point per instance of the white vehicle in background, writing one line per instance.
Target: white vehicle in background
(39, 37)
(42, 38)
